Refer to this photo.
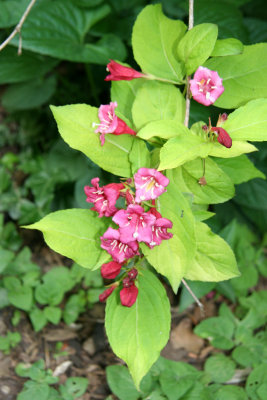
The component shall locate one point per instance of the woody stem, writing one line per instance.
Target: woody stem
(194, 297)
(187, 98)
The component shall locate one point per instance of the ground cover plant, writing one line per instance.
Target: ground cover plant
(160, 157)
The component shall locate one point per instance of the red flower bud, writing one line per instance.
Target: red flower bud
(223, 137)
(123, 128)
(103, 296)
(133, 273)
(205, 127)
(127, 282)
(128, 295)
(110, 270)
(129, 197)
(119, 72)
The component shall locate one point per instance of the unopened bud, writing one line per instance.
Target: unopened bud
(127, 282)
(132, 274)
(103, 296)
(205, 128)
(128, 295)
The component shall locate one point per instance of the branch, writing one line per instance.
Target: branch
(195, 298)
(187, 99)
(18, 29)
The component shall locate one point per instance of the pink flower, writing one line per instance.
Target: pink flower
(135, 224)
(149, 184)
(206, 86)
(103, 296)
(110, 123)
(119, 250)
(104, 198)
(110, 270)
(128, 295)
(223, 137)
(118, 72)
(159, 229)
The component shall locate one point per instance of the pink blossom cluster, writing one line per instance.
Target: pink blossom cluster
(135, 225)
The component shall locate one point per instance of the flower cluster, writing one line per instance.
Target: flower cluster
(135, 225)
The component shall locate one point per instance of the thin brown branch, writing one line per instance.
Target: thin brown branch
(187, 99)
(194, 297)
(18, 29)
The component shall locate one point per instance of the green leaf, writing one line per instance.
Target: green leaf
(245, 356)
(239, 169)
(74, 387)
(256, 379)
(28, 66)
(236, 150)
(75, 126)
(244, 76)
(11, 12)
(34, 390)
(230, 392)
(219, 187)
(185, 147)
(139, 155)
(175, 386)
(138, 334)
(173, 257)
(21, 297)
(52, 314)
(74, 307)
(220, 368)
(163, 129)
(121, 383)
(214, 261)
(248, 122)
(219, 330)
(124, 92)
(49, 293)
(66, 37)
(38, 319)
(6, 257)
(227, 47)
(31, 94)
(75, 234)
(197, 45)
(154, 40)
(156, 101)
(227, 16)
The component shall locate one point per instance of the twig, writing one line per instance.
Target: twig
(18, 29)
(194, 297)
(187, 99)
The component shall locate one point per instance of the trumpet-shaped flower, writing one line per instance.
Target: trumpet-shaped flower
(104, 198)
(159, 229)
(135, 224)
(206, 86)
(110, 123)
(119, 72)
(119, 251)
(149, 184)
